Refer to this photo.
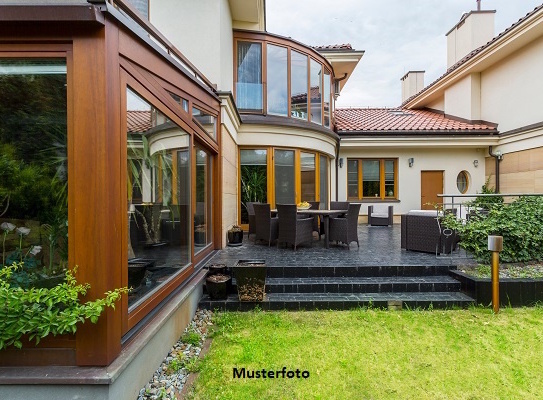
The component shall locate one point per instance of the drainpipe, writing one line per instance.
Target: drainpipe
(498, 156)
(337, 167)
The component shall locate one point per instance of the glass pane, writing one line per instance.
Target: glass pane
(181, 101)
(202, 214)
(324, 182)
(206, 120)
(254, 179)
(370, 178)
(284, 177)
(462, 182)
(352, 179)
(389, 178)
(249, 84)
(307, 165)
(277, 80)
(33, 169)
(159, 200)
(316, 92)
(298, 85)
(326, 98)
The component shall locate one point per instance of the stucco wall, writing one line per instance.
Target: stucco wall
(205, 38)
(463, 99)
(409, 178)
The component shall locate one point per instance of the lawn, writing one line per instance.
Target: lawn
(376, 354)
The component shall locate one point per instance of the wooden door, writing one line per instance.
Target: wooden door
(431, 184)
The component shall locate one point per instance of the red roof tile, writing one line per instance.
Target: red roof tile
(394, 120)
(138, 121)
(473, 53)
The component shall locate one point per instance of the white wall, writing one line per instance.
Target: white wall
(202, 31)
(463, 99)
(409, 182)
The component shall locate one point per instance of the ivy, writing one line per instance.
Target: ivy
(39, 312)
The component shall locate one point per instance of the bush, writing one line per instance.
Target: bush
(520, 223)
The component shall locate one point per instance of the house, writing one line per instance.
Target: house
(147, 125)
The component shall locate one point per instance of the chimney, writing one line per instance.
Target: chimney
(412, 83)
(475, 29)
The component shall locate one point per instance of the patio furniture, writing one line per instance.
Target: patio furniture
(421, 231)
(380, 215)
(346, 229)
(266, 227)
(292, 229)
(251, 214)
(315, 206)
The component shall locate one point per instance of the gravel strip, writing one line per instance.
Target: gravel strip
(513, 270)
(171, 376)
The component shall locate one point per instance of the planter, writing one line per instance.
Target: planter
(217, 286)
(251, 279)
(235, 238)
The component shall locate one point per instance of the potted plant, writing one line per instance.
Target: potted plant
(251, 279)
(217, 286)
(235, 236)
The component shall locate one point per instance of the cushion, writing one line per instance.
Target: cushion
(380, 209)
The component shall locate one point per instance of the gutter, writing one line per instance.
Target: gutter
(498, 157)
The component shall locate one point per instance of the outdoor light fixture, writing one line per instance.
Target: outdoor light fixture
(475, 163)
(411, 161)
(341, 163)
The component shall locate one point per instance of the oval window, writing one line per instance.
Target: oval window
(462, 182)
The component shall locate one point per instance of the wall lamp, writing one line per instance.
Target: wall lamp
(411, 161)
(475, 163)
(341, 163)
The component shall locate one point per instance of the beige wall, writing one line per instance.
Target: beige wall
(202, 30)
(463, 99)
(409, 178)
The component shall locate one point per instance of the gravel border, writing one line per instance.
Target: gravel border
(513, 271)
(168, 381)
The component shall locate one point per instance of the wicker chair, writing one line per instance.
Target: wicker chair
(380, 215)
(421, 231)
(291, 229)
(346, 229)
(266, 227)
(339, 205)
(315, 206)
(251, 213)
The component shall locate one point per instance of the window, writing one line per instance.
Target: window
(323, 165)
(298, 85)
(33, 168)
(249, 76)
(254, 179)
(326, 98)
(371, 178)
(202, 213)
(308, 174)
(284, 177)
(207, 121)
(158, 173)
(277, 81)
(462, 182)
(316, 92)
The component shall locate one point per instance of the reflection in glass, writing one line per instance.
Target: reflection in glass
(298, 85)
(159, 200)
(326, 98)
(323, 165)
(389, 178)
(202, 214)
(33, 169)
(277, 80)
(370, 178)
(316, 92)
(254, 179)
(307, 163)
(249, 76)
(206, 120)
(352, 179)
(284, 177)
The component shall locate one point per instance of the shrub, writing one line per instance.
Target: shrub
(520, 223)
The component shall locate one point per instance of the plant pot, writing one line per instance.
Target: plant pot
(251, 279)
(217, 286)
(235, 238)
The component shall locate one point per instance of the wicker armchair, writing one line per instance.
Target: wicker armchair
(421, 231)
(315, 206)
(251, 213)
(380, 215)
(291, 229)
(346, 229)
(266, 227)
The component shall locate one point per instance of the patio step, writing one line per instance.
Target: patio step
(341, 301)
(356, 271)
(373, 284)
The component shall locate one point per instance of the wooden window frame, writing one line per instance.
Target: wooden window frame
(383, 196)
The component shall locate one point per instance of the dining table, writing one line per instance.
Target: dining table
(326, 214)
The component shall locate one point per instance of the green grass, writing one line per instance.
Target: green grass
(375, 354)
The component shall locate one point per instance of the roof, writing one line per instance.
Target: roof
(344, 46)
(138, 121)
(478, 50)
(396, 120)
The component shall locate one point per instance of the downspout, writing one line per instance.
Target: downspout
(498, 157)
(337, 167)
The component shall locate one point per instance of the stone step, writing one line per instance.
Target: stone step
(361, 284)
(356, 271)
(341, 301)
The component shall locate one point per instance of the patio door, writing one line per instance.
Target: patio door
(431, 184)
